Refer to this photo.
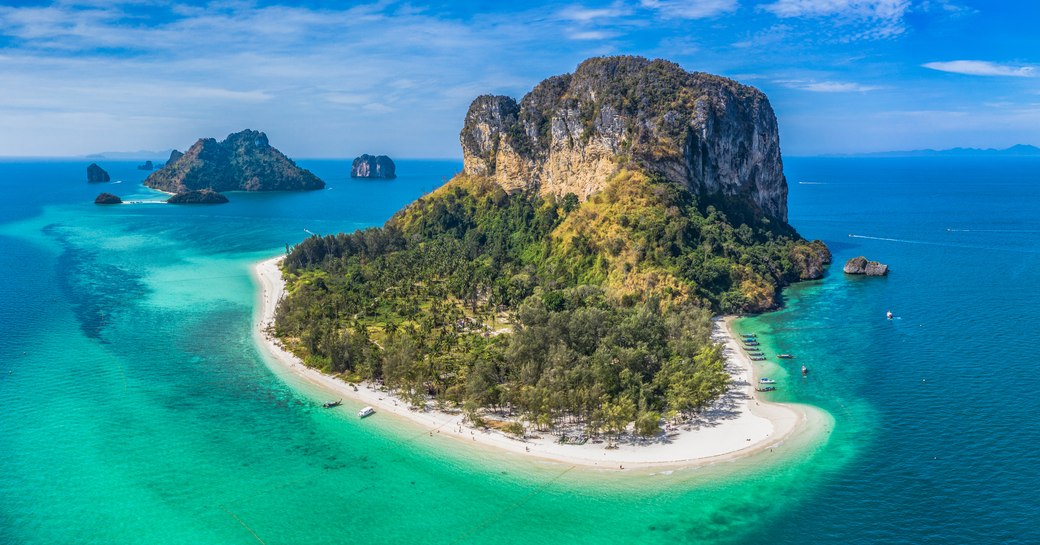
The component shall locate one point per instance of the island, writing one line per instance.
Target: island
(373, 166)
(107, 198)
(96, 174)
(146, 166)
(562, 288)
(198, 196)
(244, 161)
(861, 265)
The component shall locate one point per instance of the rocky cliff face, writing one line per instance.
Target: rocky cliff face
(373, 166)
(243, 161)
(96, 174)
(571, 132)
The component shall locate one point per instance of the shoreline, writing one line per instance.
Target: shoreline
(737, 426)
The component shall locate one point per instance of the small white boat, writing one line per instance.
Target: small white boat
(889, 314)
(367, 411)
(766, 381)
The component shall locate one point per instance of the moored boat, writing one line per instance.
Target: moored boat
(785, 356)
(367, 411)
(758, 358)
(766, 389)
(805, 370)
(766, 381)
(331, 404)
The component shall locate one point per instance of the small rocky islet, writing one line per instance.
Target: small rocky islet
(373, 166)
(107, 198)
(862, 266)
(96, 174)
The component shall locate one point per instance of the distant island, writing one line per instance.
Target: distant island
(568, 277)
(96, 174)
(244, 161)
(140, 155)
(1019, 150)
(146, 166)
(372, 166)
(198, 196)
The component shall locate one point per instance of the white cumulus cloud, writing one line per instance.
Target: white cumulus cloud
(691, 9)
(859, 19)
(983, 68)
(828, 86)
(877, 9)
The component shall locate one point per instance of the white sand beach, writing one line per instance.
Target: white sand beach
(738, 425)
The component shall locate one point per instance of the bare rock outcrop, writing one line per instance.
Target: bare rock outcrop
(571, 132)
(860, 265)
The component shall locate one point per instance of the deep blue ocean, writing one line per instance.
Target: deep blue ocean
(135, 407)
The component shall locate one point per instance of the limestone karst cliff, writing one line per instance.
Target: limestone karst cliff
(244, 161)
(373, 166)
(713, 135)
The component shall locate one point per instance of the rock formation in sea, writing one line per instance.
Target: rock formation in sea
(810, 259)
(571, 132)
(860, 265)
(97, 174)
(107, 198)
(146, 166)
(244, 161)
(373, 166)
(198, 196)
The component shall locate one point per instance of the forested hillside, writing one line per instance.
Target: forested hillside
(542, 305)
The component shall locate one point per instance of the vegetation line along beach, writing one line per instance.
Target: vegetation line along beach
(739, 424)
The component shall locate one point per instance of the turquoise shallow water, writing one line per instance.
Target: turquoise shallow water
(136, 408)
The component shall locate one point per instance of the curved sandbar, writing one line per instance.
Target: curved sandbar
(738, 425)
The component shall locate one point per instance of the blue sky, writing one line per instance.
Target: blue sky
(336, 79)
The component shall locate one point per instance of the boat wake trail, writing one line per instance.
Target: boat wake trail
(948, 244)
(993, 230)
(308, 231)
(897, 240)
